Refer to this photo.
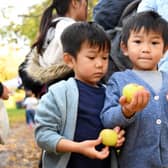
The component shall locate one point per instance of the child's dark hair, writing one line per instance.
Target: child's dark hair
(57, 7)
(150, 21)
(78, 33)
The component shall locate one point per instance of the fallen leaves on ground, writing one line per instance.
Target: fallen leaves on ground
(20, 150)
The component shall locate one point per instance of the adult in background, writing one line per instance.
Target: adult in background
(107, 12)
(45, 63)
(30, 103)
(4, 121)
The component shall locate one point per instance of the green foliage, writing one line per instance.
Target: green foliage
(90, 8)
(16, 115)
(30, 25)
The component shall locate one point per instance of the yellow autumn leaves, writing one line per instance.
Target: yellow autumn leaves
(8, 68)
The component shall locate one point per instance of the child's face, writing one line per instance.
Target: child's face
(90, 65)
(144, 49)
(29, 93)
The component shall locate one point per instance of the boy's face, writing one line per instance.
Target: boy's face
(145, 49)
(90, 65)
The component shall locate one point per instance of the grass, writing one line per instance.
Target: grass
(16, 115)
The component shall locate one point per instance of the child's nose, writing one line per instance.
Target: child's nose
(99, 63)
(146, 48)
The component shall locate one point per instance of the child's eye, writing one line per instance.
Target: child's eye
(137, 41)
(155, 42)
(105, 57)
(91, 57)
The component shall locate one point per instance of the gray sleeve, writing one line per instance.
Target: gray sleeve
(48, 122)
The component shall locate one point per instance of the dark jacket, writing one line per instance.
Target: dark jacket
(107, 12)
(1, 89)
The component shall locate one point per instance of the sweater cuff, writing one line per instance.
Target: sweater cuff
(1, 89)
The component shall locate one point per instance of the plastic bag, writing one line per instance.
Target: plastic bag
(4, 123)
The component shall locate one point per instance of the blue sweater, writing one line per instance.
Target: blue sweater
(146, 143)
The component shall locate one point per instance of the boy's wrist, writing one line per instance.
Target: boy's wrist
(66, 145)
(127, 113)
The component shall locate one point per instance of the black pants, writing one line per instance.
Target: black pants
(40, 161)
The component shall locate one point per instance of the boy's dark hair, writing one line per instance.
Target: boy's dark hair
(150, 21)
(76, 34)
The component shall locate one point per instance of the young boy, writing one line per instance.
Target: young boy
(145, 118)
(161, 8)
(68, 122)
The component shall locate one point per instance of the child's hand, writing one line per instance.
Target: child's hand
(87, 148)
(121, 137)
(5, 94)
(138, 102)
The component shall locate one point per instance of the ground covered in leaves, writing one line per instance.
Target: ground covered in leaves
(20, 150)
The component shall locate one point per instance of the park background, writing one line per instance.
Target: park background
(18, 30)
(19, 27)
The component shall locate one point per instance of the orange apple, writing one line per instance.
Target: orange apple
(109, 137)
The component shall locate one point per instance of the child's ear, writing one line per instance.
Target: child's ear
(74, 3)
(165, 49)
(124, 48)
(68, 59)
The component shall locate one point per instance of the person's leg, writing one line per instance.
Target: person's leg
(26, 116)
(40, 161)
(29, 118)
(32, 113)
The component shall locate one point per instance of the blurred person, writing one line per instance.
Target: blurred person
(45, 63)
(30, 103)
(4, 121)
(107, 13)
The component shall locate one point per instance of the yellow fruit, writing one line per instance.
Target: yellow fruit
(109, 137)
(130, 89)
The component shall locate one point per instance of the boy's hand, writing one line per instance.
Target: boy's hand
(138, 102)
(87, 148)
(121, 137)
